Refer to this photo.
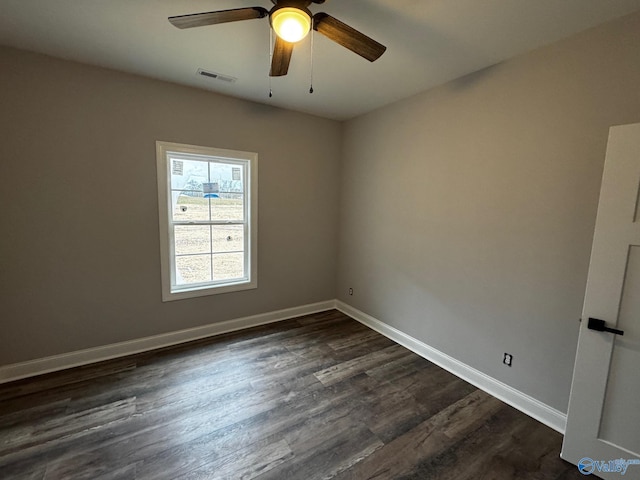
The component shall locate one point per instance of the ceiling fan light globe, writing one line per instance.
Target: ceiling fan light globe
(291, 24)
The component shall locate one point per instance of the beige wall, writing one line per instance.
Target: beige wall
(79, 249)
(468, 211)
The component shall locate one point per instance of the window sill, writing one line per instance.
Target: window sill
(168, 296)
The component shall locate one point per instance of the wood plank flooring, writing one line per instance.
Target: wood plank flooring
(318, 397)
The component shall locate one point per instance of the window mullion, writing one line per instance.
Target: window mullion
(205, 223)
(211, 245)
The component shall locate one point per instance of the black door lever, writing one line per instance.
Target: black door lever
(599, 326)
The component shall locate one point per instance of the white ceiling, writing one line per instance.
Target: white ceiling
(429, 43)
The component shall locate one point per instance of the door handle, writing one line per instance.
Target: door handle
(599, 326)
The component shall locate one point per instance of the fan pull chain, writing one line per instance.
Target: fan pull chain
(311, 88)
(270, 59)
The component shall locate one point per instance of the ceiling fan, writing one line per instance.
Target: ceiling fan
(292, 21)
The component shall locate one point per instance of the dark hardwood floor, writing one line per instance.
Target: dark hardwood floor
(318, 397)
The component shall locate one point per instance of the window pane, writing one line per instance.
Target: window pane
(192, 239)
(188, 174)
(230, 177)
(228, 266)
(189, 207)
(193, 269)
(228, 238)
(229, 206)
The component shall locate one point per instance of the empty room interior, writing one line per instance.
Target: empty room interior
(391, 249)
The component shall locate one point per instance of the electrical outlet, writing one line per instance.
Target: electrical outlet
(508, 359)
(351, 291)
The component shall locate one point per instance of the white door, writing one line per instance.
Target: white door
(603, 424)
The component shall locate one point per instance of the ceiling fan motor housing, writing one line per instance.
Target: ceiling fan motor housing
(296, 3)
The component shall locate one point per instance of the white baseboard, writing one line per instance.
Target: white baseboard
(521, 401)
(54, 363)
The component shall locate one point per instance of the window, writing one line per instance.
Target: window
(208, 220)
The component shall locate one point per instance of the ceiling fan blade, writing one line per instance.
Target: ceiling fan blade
(221, 16)
(347, 36)
(281, 57)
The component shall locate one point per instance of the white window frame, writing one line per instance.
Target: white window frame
(171, 291)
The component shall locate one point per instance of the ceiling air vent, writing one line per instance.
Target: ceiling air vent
(217, 76)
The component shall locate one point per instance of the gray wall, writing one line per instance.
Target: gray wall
(467, 212)
(79, 249)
